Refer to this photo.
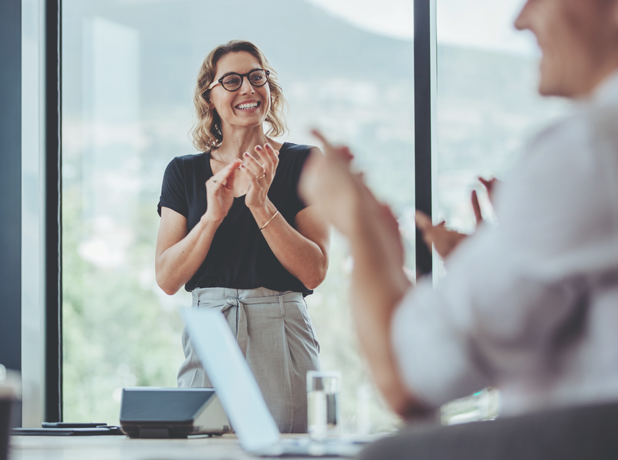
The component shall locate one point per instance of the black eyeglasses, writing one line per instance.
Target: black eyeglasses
(233, 81)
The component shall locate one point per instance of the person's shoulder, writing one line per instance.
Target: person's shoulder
(566, 167)
(294, 154)
(188, 159)
(572, 140)
(571, 127)
(583, 145)
(602, 124)
(185, 164)
(290, 149)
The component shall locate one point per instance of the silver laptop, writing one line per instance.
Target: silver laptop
(241, 397)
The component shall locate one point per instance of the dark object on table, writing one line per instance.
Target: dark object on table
(171, 412)
(73, 425)
(577, 433)
(5, 415)
(10, 391)
(69, 429)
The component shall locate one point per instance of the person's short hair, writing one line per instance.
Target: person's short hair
(206, 131)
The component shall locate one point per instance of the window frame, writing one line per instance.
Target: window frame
(53, 210)
(10, 183)
(425, 83)
(424, 120)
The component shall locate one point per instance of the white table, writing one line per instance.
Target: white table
(123, 448)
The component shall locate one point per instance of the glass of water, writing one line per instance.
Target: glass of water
(323, 403)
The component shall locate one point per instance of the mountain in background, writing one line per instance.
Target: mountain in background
(353, 83)
(300, 40)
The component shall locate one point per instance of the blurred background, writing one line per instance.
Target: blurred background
(129, 69)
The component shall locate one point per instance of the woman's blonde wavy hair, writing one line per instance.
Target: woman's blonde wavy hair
(206, 131)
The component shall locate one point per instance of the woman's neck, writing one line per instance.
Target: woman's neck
(238, 141)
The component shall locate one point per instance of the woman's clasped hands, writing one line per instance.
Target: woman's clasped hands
(259, 168)
(220, 192)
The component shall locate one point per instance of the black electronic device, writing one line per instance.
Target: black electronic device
(152, 412)
(69, 429)
(73, 424)
(5, 417)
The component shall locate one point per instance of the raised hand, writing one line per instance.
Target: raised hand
(219, 193)
(328, 182)
(490, 186)
(340, 152)
(476, 207)
(261, 168)
(443, 239)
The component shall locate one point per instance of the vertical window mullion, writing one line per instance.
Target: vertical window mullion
(53, 234)
(10, 184)
(424, 116)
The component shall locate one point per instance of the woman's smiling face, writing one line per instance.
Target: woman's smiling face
(248, 106)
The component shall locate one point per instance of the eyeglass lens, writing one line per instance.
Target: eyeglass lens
(233, 81)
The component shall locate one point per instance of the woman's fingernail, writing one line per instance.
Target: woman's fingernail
(257, 147)
(268, 145)
(242, 166)
(245, 154)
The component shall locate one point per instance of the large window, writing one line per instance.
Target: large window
(346, 66)
(487, 107)
(128, 74)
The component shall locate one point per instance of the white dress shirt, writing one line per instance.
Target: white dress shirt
(530, 306)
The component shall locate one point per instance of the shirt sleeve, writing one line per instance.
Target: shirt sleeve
(173, 190)
(501, 312)
(297, 204)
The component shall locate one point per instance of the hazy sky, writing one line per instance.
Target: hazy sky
(484, 24)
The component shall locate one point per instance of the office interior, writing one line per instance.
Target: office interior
(96, 99)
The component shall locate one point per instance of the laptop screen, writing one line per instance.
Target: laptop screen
(231, 377)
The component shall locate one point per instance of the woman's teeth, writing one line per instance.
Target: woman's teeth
(249, 105)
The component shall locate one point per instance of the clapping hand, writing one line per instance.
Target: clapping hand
(444, 240)
(328, 182)
(261, 168)
(345, 200)
(219, 193)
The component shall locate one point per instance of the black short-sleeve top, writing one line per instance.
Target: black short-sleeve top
(239, 256)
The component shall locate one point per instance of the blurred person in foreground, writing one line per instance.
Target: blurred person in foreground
(236, 234)
(529, 306)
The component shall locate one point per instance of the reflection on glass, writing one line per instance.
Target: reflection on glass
(128, 79)
(487, 109)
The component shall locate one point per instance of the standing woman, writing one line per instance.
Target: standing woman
(235, 232)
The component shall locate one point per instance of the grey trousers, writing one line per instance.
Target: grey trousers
(582, 433)
(276, 337)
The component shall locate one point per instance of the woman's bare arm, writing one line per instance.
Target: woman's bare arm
(302, 251)
(303, 248)
(179, 253)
